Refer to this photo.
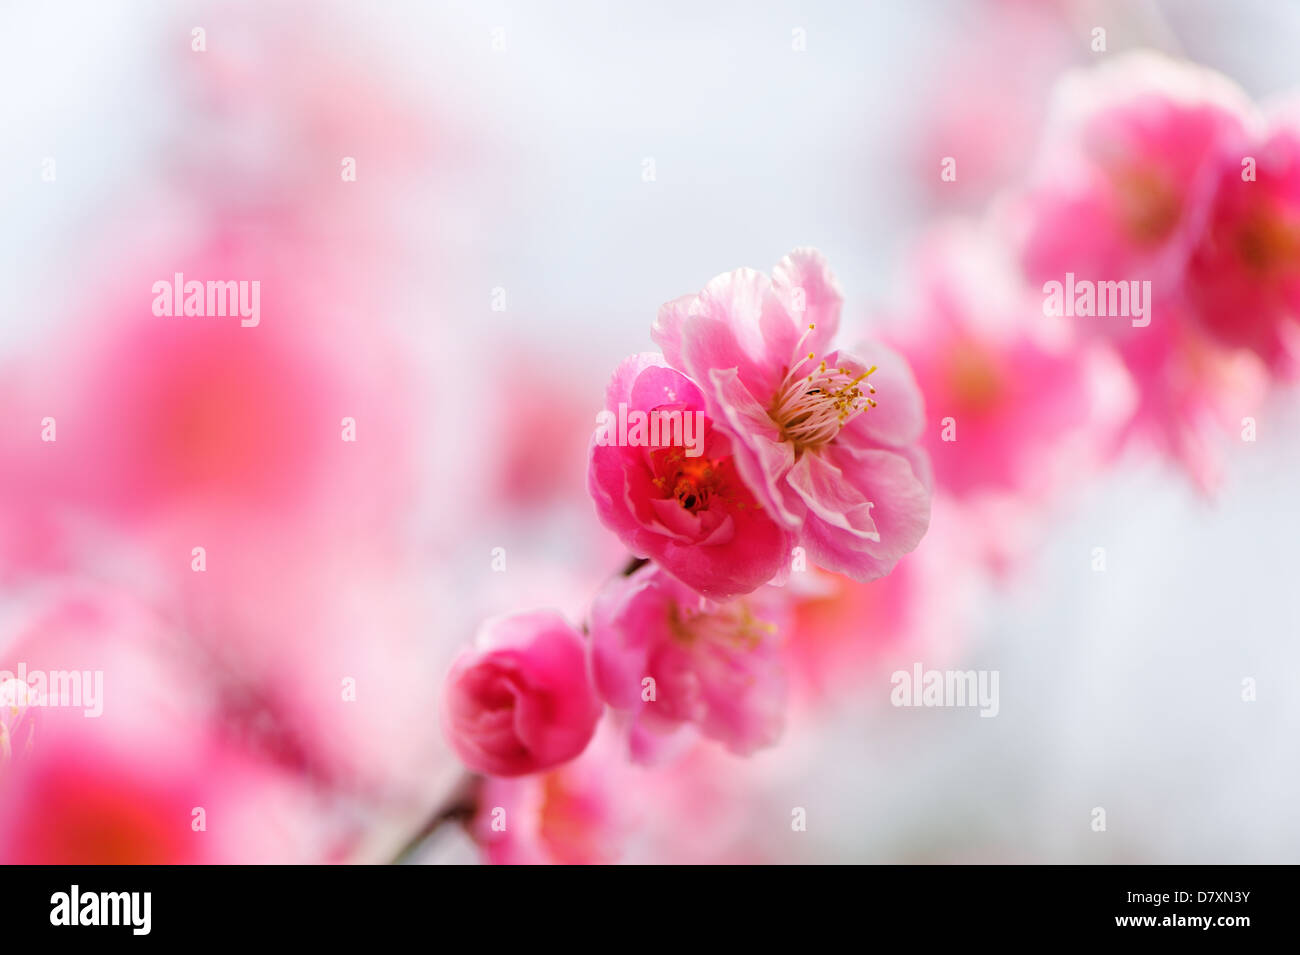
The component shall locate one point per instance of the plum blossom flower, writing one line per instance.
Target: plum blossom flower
(693, 514)
(84, 797)
(1020, 409)
(519, 701)
(1011, 405)
(825, 438)
(669, 657)
(1189, 391)
(580, 813)
(600, 809)
(1243, 281)
(1123, 187)
(1123, 193)
(116, 769)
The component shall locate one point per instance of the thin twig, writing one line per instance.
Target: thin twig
(459, 807)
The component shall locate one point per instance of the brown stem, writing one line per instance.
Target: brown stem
(460, 806)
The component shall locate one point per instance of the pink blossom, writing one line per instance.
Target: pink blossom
(1135, 153)
(351, 717)
(692, 513)
(600, 809)
(162, 796)
(827, 439)
(1243, 282)
(839, 628)
(138, 722)
(132, 744)
(843, 632)
(672, 657)
(541, 444)
(519, 701)
(1132, 155)
(84, 804)
(179, 431)
(1189, 391)
(1011, 407)
(581, 813)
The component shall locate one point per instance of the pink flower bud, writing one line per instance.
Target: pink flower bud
(520, 700)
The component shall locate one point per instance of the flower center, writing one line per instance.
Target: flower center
(733, 625)
(694, 482)
(974, 379)
(1268, 243)
(813, 402)
(1149, 205)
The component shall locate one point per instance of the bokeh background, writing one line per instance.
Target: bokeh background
(465, 300)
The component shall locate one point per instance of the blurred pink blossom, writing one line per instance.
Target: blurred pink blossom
(843, 632)
(1131, 156)
(157, 798)
(600, 809)
(1126, 183)
(1010, 406)
(839, 627)
(1243, 282)
(132, 763)
(580, 813)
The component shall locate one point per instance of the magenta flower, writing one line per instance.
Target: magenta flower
(581, 813)
(1244, 277)
(675, 494)
(669, 656)
(827, 439)
(519, 701)
(88, 796)
(1124, 183)
(1126, 186)
(601, 809)
(1012, 410)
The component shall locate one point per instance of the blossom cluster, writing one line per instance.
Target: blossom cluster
(806, 451)
(990, 401)
(266, 530)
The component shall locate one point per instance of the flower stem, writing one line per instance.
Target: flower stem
(460, 806)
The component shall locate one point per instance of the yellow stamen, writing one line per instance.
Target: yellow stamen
(810, 409)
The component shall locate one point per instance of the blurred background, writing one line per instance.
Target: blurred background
(532, 181)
